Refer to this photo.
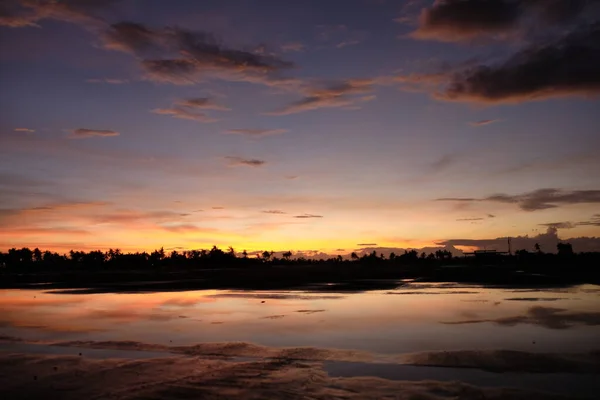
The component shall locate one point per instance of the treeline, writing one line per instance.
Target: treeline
(25, 259)
(38, 260)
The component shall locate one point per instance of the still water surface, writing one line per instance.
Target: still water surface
(412, 318)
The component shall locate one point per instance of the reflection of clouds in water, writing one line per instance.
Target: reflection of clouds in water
(424, 292)
(552, 318)
(309, 311)
(536, 298)
(274, 296)
(187, 302)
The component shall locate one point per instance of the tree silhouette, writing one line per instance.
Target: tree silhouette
(564, 249)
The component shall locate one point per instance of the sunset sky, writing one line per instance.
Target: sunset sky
(315, 126)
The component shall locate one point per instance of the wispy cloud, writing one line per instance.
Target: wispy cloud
(347, 94)
(484, 122)
(244, 162)
(293, 47)
(256, 132)
(470, 219)
(347, 43)
(540, 199)
(200, 55)
(82, 133)
(110, 81)
(274, 212)
(25, 13)
(27, 130)
(308, 216)
(187, 109)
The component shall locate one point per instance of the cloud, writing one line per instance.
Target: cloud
(491, 216)
(461, 20)
(308, 216)
(239, 161)
(339, 36)
(551, 318)
(256, 132)
(110, 81)
(484, 122)
(274, 212)
(24, 130)
(347, 43)
(203, 103)
(87, 133)
(560, 225)
(470, 219)
(26, 13)
(453, 20)
(346, 94)
(293, 47)
(594, 221)
(182, 113)
(200, 55)
(569, 66)
(367, 244)
(547, 241)
(185, 109)
(540, 199)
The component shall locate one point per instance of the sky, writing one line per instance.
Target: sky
(312, 126)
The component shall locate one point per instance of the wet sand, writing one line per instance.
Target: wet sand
(29, 376)
(131, 370)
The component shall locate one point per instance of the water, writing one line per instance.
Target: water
(412, 318)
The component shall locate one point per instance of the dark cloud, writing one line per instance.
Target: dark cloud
(256, 132)
(131, 37)
(491, 216)
(199, 55)
(470, 219)
(452, 20)
(274, 212)
(547, 242)
(239, 161)
(308, 216)
(552, 318)
(458, 20)
(568, 66)
(483, 122)
(540, 199)
(367, 244)
(560, 225)
(594, 221)
(87, 133)
(347, 94)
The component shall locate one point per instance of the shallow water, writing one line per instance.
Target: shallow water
(414, 317)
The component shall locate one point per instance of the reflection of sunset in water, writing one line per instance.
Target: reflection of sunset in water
(413, 318)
